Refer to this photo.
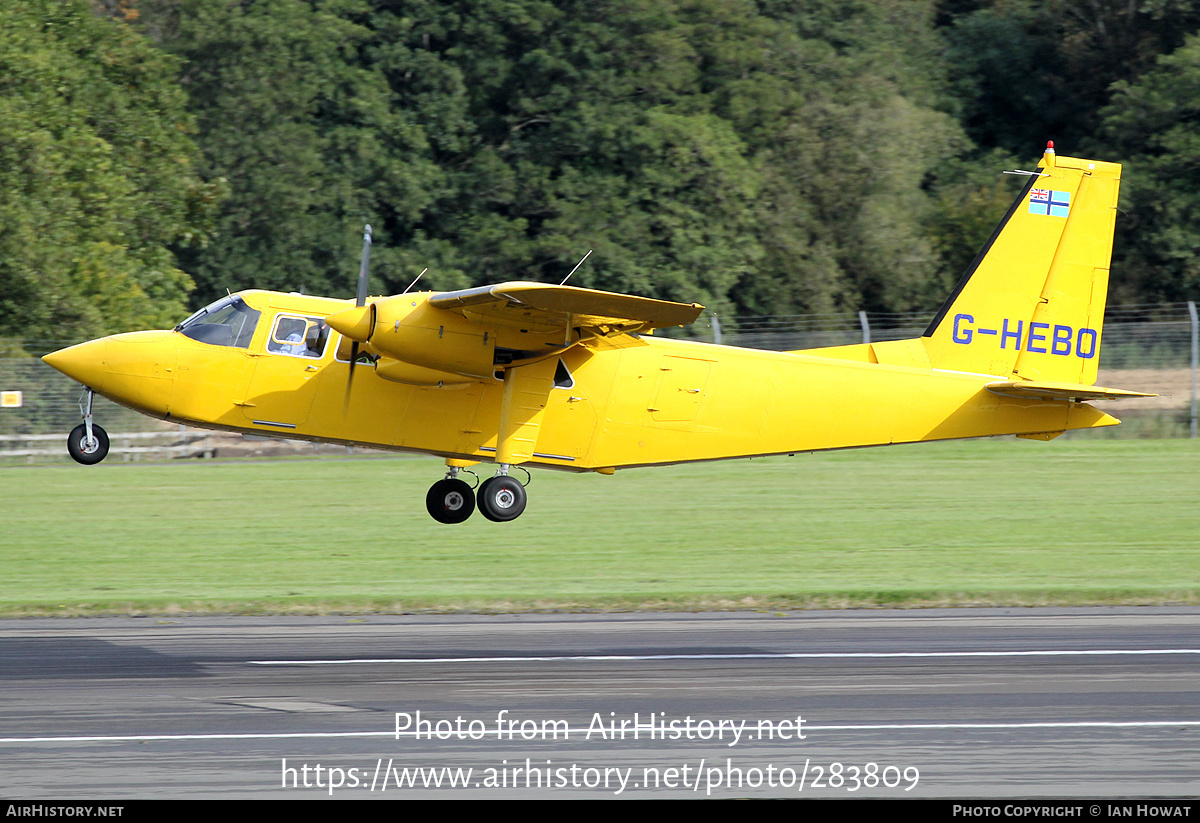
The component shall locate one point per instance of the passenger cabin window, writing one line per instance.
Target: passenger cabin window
(299, 336)
(227, 322)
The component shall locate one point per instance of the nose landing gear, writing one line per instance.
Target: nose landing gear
(87, 443)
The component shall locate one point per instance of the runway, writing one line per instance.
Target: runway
(1088, 703)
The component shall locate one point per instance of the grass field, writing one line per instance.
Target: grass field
(986, 522)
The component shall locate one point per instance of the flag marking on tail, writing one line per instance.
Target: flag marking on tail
(1050, 202)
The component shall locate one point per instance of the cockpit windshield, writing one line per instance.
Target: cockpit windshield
(227, 322)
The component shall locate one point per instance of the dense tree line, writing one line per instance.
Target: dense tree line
(758, 156)
(96, 171)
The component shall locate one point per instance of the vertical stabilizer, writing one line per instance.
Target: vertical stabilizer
(1031, 306)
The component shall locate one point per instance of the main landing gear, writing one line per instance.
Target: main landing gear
(87, 442)
(450, 500)
(500, 498)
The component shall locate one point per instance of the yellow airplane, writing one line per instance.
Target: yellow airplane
(530, 374)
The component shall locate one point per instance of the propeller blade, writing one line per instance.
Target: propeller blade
(361, 299)
(350, 374)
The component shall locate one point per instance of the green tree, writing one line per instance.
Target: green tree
(854, 136)
(1152, 123)
(568, 126)
(753, 156)
(304, 135)
(96, 166)
(1026, 71)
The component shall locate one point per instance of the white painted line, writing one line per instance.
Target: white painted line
(757, 656)
(135, 738)
(583, 730)
(1082, 724)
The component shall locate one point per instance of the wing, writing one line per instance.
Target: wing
(544, 308)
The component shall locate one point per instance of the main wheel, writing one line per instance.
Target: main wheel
(85, 451)
(450, 501)
(501, 498)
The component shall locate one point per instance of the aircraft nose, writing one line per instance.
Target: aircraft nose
(84, 362)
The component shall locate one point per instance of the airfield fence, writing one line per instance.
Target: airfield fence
(1145, 347)
(1135, 337)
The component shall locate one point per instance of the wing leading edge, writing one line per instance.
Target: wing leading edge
(548, 308)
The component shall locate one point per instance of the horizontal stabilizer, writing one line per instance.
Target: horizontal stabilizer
(1043, 390)
(547, 307)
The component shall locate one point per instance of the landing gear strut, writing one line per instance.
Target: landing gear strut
(501, 498)
(87, 442)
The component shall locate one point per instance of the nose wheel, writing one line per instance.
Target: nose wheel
(87, 450)
(87, 443)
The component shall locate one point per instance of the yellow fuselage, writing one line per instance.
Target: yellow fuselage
(648, 401)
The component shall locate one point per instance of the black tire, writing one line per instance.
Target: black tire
(501, 499)
(87, 453)
(450, 501)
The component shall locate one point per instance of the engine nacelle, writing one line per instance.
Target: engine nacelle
(389, 368)
(407, 329)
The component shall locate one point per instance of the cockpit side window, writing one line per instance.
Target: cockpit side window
(345, 348)
(227, 322)
(298, 336)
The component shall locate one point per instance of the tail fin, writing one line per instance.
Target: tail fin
(1031, 306)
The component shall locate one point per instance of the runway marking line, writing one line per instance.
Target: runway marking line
(751, 656)
(137, 738)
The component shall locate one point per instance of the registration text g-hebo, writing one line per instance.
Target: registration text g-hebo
(1041, 338)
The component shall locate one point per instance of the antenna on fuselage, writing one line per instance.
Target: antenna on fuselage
(577, 265)
(413, 283)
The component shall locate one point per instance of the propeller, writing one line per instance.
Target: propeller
(360, 300)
